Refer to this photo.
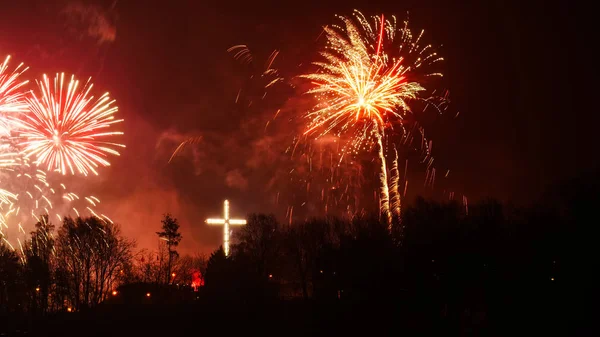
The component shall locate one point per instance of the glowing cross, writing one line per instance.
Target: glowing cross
(225, 222)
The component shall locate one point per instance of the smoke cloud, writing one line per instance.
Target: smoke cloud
(91, 21)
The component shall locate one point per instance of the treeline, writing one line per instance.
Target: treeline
(71, 268)
(488, 262)
(437, 248)
(487, 265)
(83, 262)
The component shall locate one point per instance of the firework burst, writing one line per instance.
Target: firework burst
(66, 127)
(63, 129)
(370, 73)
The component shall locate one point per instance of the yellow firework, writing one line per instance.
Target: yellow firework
(369, 74)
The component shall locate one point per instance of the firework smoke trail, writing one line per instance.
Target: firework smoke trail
(65, 125)
(362, 90)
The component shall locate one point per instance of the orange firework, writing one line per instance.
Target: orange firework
(66, 127)
(365, 83)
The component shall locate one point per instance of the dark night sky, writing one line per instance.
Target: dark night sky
(519, 74)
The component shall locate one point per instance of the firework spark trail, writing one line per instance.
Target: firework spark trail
(183, 145)
(361, 90)
(320, 182)
(266, 75)
(384, 194)
(395, 201)
(65, 125)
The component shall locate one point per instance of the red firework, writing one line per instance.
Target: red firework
(67, 129)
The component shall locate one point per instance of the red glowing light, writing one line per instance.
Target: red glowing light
(197, 280)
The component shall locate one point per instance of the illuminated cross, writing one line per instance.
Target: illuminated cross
(225, 222)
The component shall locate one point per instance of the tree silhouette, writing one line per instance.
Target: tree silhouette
(259, 241)
(170, 233)
(10, 276)
(219, 273)
(90, 255)
(39, 263)
(303, 243)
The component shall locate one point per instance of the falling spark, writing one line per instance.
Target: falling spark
(33, 194)
(184, 144)
(263, 76)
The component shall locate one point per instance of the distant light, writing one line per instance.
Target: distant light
(37, 289)
(114, 292)
(321, 272)
(69, 309)
(173, 275)
(552, 279)
(147, 294)
(270, 275)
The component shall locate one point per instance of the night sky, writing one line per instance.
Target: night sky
(519, 79)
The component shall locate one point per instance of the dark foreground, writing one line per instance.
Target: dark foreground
(308, 318)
